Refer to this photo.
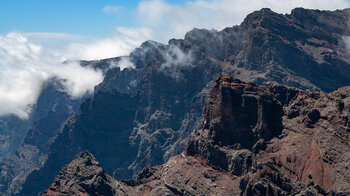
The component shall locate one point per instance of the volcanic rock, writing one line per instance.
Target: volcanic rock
(140, 117)
(83, 176)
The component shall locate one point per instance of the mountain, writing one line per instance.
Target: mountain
(140, 117)
(254, 140)
(12, 133)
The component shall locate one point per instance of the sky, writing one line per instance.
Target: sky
(83, 17)
(36, 36)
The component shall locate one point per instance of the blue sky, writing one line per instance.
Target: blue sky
(67, 16)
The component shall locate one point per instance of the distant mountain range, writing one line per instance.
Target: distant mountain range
(143, 116)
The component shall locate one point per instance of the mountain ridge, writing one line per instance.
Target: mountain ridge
(163, 95)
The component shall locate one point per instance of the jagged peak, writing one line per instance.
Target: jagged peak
(256, 16)
(82, 176)
(197, 34)
(85, 154)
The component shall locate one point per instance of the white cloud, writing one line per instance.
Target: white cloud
(24, 67)
(346, 40)
(112, 9)
(121, 43)
(175, 56)
(54, 41)
(50, 35)
(123, 63)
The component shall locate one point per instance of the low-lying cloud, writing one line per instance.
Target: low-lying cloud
(174, 56)
(346, 41)
(124, 62)
(24, 67)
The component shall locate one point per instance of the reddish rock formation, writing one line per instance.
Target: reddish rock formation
(301, 133)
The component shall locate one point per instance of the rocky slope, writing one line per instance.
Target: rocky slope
(255, 140)
(151, 109)
(24, 142)
(51, 110)
(83, 176)
(13, 129)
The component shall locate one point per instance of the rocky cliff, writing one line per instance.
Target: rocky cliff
(255, 140)
(140, 117)
(83, 176)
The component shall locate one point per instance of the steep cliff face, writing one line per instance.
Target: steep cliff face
(305, 138)
(34, 135)
(300, 148)
(144, 115)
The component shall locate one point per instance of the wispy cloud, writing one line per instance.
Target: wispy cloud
(49, 35)
(121, 43)
(112, 9)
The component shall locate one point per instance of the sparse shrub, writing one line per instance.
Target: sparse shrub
(339, 103)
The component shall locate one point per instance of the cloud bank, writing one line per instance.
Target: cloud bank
(24, 67)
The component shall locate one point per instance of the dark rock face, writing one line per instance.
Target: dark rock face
(83, 176)
(142, 116)
(296, 160)
(97, 113)
(12, 133)
(240, 113)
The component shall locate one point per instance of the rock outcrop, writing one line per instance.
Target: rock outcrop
(306, 153)
(305, 137)
(83, 176)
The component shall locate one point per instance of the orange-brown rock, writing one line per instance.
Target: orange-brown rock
(302, 134)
